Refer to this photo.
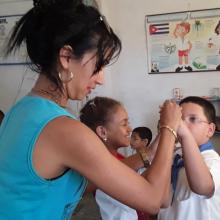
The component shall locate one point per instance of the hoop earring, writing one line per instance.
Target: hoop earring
(66, 80)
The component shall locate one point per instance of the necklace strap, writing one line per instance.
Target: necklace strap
(54, 97)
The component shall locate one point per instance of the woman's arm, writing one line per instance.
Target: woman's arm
(167, 197)
(134, 161)
(79, 148)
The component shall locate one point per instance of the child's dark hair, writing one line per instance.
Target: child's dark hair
(98, 111)
(51, 24)
(207, 106)
(144, 133)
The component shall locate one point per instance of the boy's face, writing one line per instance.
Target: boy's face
(195, 119)
(136, 141)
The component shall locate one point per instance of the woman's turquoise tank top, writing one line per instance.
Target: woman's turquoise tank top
(23, 194)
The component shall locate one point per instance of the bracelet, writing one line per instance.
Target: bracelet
(171, 130)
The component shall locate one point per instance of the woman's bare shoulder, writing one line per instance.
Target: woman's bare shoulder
(71, 139)
(68, 131)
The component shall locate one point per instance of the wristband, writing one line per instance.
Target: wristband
(171, 130)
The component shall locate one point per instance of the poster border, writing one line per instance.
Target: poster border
(173, 13)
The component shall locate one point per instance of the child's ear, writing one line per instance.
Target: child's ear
(101, 132)
(211, 130)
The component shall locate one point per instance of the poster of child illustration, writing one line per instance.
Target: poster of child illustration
(183, 42)
(183, 45)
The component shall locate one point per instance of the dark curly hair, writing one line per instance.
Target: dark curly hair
(98, 111)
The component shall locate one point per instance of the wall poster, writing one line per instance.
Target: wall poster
(6, 25)
(183, 42)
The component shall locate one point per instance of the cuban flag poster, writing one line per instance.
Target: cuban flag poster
(162, 28)
(183, 42)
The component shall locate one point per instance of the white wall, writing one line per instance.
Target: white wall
(140, 92)
(16, 80)
(128, 79)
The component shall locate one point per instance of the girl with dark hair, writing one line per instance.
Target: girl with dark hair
(109, 120)
(46, 155)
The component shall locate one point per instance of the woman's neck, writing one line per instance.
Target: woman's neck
(47, 89)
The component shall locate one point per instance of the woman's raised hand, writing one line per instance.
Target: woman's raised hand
(170, 114)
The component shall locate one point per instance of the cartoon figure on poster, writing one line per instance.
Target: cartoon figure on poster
(184, 46)
(217, 31)
(154, 67)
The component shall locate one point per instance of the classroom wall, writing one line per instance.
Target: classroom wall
(15, 80)
(128, 79)
(140, 92)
